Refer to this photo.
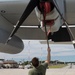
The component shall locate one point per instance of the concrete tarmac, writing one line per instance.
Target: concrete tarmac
(62, 71)
(49, 72)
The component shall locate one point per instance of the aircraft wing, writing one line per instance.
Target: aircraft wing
(14, 9)
(11, 11)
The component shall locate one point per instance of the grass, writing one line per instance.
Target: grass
(58, 66)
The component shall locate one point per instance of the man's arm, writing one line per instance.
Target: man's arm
(48, 56)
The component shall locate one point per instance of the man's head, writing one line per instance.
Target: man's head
(35, 62)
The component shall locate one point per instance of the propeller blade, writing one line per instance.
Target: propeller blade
(69, 30)
(31, 5)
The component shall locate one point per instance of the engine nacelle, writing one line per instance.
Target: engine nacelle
(52, 19)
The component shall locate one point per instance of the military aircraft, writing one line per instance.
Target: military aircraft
(29, 19)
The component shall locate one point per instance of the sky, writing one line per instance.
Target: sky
(33, 48)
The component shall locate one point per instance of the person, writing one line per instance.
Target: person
(39, 69)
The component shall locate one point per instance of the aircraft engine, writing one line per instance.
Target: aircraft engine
(52, 18)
